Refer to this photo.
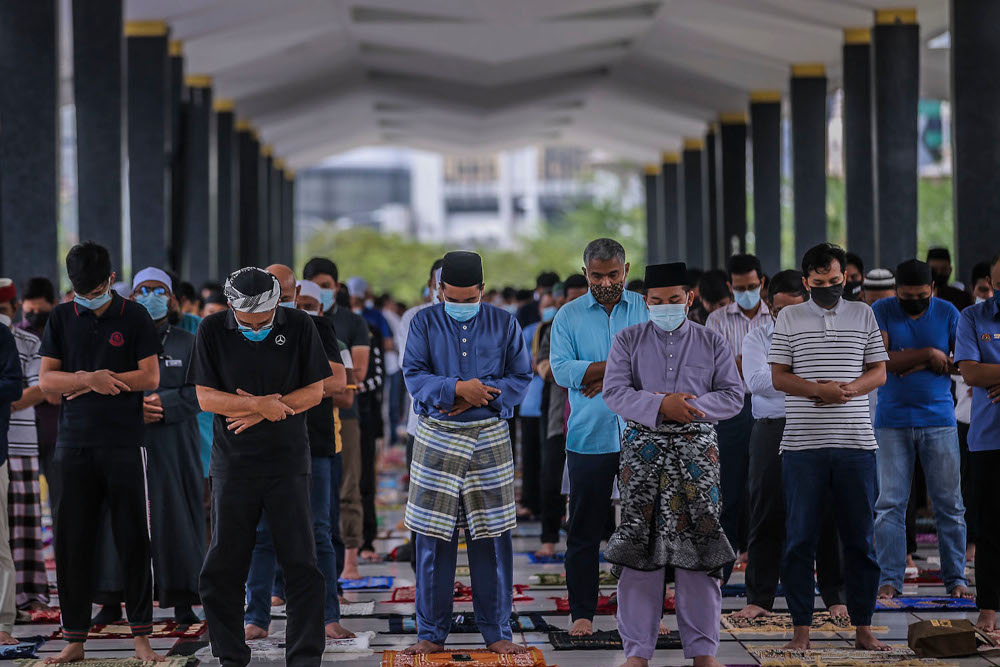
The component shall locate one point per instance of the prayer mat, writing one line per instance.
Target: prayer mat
(272, 649)
(25, 649)
(898, 656)
(533, 658)
(462, 571)
(367, 583)
(908, 603)
(402, 553)
(164, 630)
(558, 580)
(606, 640)
(557, 557)
(347, 610)
(50, 616)
(607, 605)
(932, 577)
(927, 538)
(782, 623)
(171, 661)
(466, 623)
(463, 593)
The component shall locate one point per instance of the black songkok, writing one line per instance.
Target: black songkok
(666, 275)
(938, 253)
(462, 269)
(913, 272)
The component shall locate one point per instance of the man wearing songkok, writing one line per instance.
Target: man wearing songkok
(671, 380)
(259, 368)
(466, 366)
(100, 352)
(916, 421)
(173, 451)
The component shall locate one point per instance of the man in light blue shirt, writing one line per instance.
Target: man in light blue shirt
(581, 339)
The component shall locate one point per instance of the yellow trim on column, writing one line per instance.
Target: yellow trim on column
(267, 150)
(651, 169)
(243, 125)
(146, 28)
(733, 118)
(809, 70)
(198, 80)
(857, 35)
(175, 47)
(713, 128)
(290, 174)
(671, 157)
(765, 96)
(279, 164)
(694, 144)
(895, 16)
(224, 104)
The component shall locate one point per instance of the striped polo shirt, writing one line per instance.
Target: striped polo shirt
(22, 435)
(734, 325)
(822, 344)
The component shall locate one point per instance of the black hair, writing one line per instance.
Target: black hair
(693, 277)
(575, 281)
(343, 296)
(547, 279)
(438, 263)
(524, 295)
(995, 261)
(211, 286)
(40, 287)
(88, 265)
(636, 285)
(939, 253)
(184, 291)
(822, 256)
(216, 297)
(979, 272)
(744, 264)
(787, 282)
(712, 286)
(509, 293)
(318, 265)
(856, 261)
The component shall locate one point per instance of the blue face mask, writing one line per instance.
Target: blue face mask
(549, 314)
(461, 312)
(96, 302)
(256, 336)
(326, 298)
(156, 304)
(287, 304)
(668, 316)
(748, 299)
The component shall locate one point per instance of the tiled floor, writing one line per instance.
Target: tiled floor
(731, 652)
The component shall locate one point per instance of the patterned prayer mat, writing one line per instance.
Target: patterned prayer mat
(42, 617)
(899, 656)
(557, 557)
(463, 593)
(347, 610)
(462, 571)
(533, 658)
(407, 625)
(607, 605)
(171, 661)
(932, 577)
(367, 583)
(908, 603)
(927, 538)
(558, 580)
(272, 649)
(164, 630)
(782, 623)
(25, 649)
(605, 640)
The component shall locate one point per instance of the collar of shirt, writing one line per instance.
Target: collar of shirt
(734, 309)
(993, 309)
(680, 332)
(824, 312)
(114, 311)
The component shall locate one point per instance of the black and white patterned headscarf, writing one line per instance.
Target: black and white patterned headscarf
(252, 290)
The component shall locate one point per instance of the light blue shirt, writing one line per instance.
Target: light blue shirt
(531, 406)
(581, 335)
(978, 340)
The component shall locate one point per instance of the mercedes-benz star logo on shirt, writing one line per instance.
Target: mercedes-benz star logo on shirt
(280, 340)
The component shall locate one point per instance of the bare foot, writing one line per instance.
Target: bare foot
(7, 640)
(423, 646)
(251, 631)
(145, 652)
(961, 591)
(370, 556)
(752, 611)
(970, 553)
(582, 627)
(37, 605)
(548, 550)
(72, 653)
(344, 600)
(350, 565)
(706, 661)
(887, 592)
(337, 631)
(839, 612)
(866, 641)
(800, 639)
(987, 621)
(506, 646)
(635, 662)
(664, 630)
(276, 601)
(910, 563)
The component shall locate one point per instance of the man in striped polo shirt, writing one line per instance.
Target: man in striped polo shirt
(826, 356)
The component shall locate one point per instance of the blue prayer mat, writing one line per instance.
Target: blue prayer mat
(907, 603)
(367, 583)
(26, 649)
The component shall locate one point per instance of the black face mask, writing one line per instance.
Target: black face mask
(36, 319)
(915, 306)
(852, 290)
(827, 297)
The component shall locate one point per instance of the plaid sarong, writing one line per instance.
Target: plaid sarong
(462, 475)
(24, 510)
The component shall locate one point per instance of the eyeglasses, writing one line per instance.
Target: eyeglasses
(146, 291)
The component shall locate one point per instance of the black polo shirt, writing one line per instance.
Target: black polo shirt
(291, 357)
(116, 341)
(319, 420)
(353, 330)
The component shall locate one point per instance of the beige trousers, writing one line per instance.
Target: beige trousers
(8, 576)
(351, 513)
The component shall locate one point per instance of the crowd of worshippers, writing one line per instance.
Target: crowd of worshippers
(794, 423)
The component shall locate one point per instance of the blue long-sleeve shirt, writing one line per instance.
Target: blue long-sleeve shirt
(581, 335)
(440, 351)
(11, 384)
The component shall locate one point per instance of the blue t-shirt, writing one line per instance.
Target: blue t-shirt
(531, 406)
(978, 340)
(923, 398)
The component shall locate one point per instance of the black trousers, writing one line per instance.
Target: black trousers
(734, 443)
(91, 476)
(531, 464)
(237, 504)
(370, 430)
(552, 500)
(591, 481)
(968, 488)
(985, 466)
(767, 525)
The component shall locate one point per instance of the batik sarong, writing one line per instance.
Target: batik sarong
(670, 500)
(462, 476)
(24, 509)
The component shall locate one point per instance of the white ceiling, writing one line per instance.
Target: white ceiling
(633, 77)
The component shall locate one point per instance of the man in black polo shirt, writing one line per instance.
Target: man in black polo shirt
(264, 366)
(100, 352)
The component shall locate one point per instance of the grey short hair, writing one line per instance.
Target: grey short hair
(603, 250)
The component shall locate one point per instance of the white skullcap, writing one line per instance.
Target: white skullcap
(152, 273)
(310, 289)
(357, 286)
(879, 279)
(252, 290)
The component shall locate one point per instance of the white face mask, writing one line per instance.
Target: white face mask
(5, 320)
